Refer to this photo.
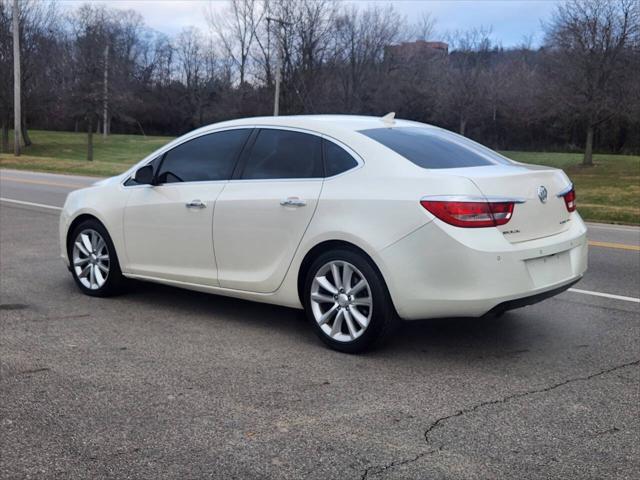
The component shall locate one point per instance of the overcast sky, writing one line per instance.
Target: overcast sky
(511, 20)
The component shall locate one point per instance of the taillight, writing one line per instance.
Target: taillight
(470, 214)
(570, 200)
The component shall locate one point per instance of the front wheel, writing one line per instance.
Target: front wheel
(93, 260)
(347, 302)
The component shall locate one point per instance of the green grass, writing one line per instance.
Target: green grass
(607, 192)
(66, 152)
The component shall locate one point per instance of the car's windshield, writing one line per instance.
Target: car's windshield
(434, 148)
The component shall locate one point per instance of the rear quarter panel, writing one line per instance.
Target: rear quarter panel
(372, 207)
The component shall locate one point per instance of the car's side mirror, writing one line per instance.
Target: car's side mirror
(144, 175)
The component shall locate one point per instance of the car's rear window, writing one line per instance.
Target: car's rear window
(430, 148)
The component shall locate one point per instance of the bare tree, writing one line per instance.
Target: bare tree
(34, 37)
(304, 32)
(588, 42)
(361, 38)
(6, 72)
(38, 27)
(89, 29)
(191, 62)
(518, 98)
(262, 54)
(105, 93)
(465, 75)
(337, 57)
(236, 29)
(424, 28)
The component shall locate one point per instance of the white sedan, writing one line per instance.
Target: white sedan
(360, 221)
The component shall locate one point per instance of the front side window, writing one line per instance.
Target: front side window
(284, 154)
(206, 158)
(431, 148)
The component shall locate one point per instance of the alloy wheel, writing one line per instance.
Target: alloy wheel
(341, 301)
(91, 259)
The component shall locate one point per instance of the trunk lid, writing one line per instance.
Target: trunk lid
(537, 217)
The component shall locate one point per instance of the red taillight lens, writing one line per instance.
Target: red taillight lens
(570, 200)
(470, 214)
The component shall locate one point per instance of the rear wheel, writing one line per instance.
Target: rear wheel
(347, 302)
(93, 260)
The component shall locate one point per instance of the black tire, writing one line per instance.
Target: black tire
(114, 281)
(383, 316)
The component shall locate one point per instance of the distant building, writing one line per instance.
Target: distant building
(418, 49)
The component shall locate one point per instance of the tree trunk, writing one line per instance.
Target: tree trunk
(588, 149)
(25, 133)
(90, 138)
(141, 129)
(5, 137)
(495, 126)
(105, 94)
(463, 124)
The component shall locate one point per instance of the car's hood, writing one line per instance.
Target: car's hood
(107, 181)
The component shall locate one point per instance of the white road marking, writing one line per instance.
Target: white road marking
(31, 204)
(606, 295)
(574, 290)
(30, 174)
(619, 228)
(72, 186)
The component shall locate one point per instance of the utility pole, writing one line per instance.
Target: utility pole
(105, 92)
(17, 115)
(276, 95)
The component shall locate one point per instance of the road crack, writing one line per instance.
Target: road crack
(378, 469)
(514, 396)
(32, 371)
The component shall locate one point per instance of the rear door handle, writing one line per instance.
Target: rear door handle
(195, 204)
(293, 202)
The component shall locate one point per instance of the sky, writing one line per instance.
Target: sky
(511, 21)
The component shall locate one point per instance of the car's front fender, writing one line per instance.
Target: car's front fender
(106, 203)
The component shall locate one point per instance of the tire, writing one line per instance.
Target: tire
(96, 270)
(367, 313)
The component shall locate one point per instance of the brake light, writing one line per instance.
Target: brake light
(470, 214)
(570, 200)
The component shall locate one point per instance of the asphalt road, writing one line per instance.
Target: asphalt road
(166, 383)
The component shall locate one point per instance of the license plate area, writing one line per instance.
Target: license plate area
(549, 269)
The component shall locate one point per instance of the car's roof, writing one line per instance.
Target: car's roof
(322, 123)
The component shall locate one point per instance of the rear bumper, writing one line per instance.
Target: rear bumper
(435, 273)
(530, 300)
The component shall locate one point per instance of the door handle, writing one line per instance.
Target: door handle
(293, 202)
(195, 204)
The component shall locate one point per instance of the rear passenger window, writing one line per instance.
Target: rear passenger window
(206, 158)
(284, 154)
(336, 159)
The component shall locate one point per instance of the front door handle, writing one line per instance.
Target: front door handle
(293, 202)
(196, 204)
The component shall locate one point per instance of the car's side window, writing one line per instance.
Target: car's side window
(284, 154)
(336, 159)
(206, 158)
